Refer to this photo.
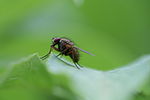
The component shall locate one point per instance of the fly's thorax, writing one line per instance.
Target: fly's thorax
(64, 44)
(66, 41)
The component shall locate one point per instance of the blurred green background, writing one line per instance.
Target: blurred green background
(117, 31)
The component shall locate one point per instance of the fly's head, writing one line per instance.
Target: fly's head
(55, 40)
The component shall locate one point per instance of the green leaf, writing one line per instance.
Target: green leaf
(29, 79)
(58, 79)
(118, 84)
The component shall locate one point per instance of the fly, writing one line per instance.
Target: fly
(66, 47)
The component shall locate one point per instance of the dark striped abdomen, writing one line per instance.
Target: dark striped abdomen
(75, 54)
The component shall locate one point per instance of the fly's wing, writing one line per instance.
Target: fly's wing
(85, 51)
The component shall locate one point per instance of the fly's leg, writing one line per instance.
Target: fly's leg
(74, 61)
(79, 65)
(62, 52)
(56, 50)
(76, 65)
(52, 46)
(47, 55)
(59, 54)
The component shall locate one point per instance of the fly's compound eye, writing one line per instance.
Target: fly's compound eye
(55, 40)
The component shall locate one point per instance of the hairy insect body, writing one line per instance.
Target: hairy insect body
(66, 47)
(75, 56)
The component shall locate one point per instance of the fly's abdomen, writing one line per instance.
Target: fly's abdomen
(75, 56)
